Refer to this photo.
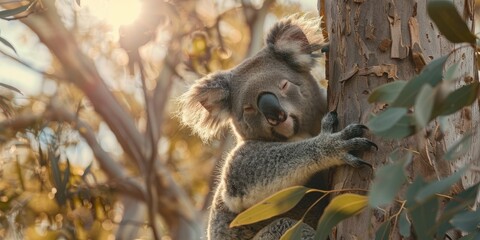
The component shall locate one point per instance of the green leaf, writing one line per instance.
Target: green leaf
(87, 170)
(423, 218)
(467, 221)
(422, 214)
(472, 236)
(445, 15)
(54, 165)
(274, 205)
(413, 189)
(386, 119)
(295, 232)
(404, 224)
(397, 129)
(459, 148)
(66, 175)
(12, 12)
(424, 106)
(11, 88)
(8, 44)
(383, 232)
(463, 199)
(456, 100)
(439, 186)
(461, 202)
(450, 72)
(388, 181)
(340, 208)
(387, 93)
(431, 74)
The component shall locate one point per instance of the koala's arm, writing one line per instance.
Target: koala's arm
(256, 170)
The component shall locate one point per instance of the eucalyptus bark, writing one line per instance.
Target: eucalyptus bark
(375, 42)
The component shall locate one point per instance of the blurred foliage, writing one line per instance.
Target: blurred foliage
(50, 184)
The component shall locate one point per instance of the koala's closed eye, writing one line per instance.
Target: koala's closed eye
(248, 109)
(284, 85)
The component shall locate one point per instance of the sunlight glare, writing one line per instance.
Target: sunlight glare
(115, 13)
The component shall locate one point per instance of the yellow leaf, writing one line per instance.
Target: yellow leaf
(340, 208)
(274, 205)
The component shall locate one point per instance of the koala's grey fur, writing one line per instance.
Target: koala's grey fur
(270, 157)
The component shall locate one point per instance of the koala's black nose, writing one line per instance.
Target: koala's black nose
(270, 107)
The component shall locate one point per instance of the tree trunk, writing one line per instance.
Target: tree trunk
(375, 42)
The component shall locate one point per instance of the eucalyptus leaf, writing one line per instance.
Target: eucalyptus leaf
(87, 170)
(293, 233)
(66, 175)
(450, 73)
(386, 93)
(404, 224)
(439, 186)
(449, 22)
(459, 148)
(461, 97)
(467, 221)
(461, 202)
(424, 106)
(400, 129)
(339, 209)
(386, 119)
(431, 74)
(422, 214)
(388, 181)
(423, 218)
(413, 189)
(274, 205)
(472, 236)
(383, 232)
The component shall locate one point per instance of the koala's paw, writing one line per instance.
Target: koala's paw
(349, 143)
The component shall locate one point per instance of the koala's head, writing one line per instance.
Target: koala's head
(271, 96)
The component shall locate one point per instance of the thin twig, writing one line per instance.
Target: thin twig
(21, 62)
(151, 190)
(397, 214)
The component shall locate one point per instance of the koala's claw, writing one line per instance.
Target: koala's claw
(356, 162)
(358, 144)
(373, 145)
(353, 131)
(364, 163)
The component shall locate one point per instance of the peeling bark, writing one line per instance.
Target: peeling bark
(394, 44)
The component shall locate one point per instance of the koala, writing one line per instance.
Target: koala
(284, 134)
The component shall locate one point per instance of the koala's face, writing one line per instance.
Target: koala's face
(271, 96)
(274, 102)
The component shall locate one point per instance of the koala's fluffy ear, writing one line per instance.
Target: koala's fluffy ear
(297, 39)
(206, 107)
